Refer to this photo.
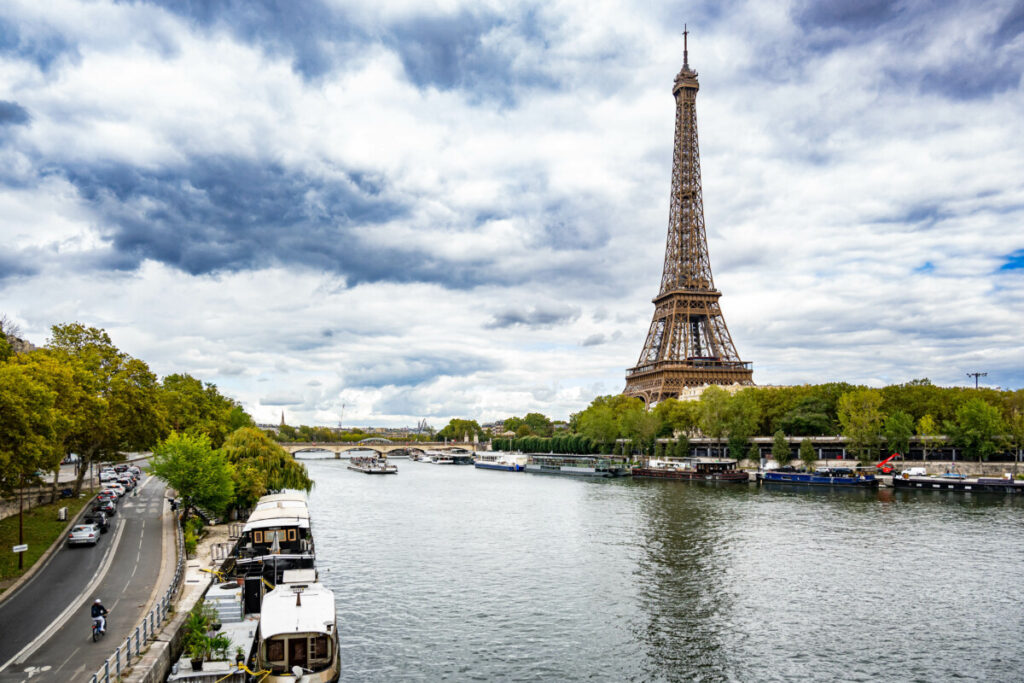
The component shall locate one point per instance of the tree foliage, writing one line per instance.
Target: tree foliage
(260, 465)
(807, 455)
(976, 428)
(861, 417)
(201, 475)
(780, 449)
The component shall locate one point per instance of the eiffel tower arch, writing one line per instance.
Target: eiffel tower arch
(688, 343)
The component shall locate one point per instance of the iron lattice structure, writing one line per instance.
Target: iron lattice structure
(688, 344)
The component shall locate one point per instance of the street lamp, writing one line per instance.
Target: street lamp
(976, 375)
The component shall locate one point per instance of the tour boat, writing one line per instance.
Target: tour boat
(693, 469)
(372, 465)
(297, 637)
(578, 465)
(824, 476)
(962, 484)
(509, 462)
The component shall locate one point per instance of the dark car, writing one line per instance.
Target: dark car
(106, 507)
(98, 519)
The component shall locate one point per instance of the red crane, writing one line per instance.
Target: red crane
(885, 468)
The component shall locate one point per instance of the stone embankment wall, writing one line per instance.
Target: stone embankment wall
(36, 496)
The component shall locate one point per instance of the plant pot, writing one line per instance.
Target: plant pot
(215, 627)
(197, 664)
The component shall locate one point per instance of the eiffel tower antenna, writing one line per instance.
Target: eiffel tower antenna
(688, 343)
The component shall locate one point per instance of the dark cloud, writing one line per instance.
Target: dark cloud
(444, 51)
(594, 340)
(42, 45)
(413, 370)
(16, 264)
(534, 317)
(13, 114)
(863, 15)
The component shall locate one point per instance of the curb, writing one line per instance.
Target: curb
(45, 557)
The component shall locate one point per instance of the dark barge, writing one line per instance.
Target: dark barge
(835, 476)
(979, 485)
(693, 469)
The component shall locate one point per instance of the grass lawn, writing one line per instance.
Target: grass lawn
(41, 529)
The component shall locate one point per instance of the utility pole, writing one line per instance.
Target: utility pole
(976, 375)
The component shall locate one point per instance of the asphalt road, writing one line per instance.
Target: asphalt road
(130, 581)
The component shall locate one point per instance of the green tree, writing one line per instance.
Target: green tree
(754, 454)
(539, 424)
(780, 449)
(861, 417)
(742, 413)
(714, 406)
(121, 409)
(927, 432)
(195, 408)
(898, 428)
(1015, 434)
(27, 419)
(200, 475)
(261, 466)
(976, 429)
(809, 417)
(807, 455)
(682, 447)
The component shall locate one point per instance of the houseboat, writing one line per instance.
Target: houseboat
(958, 483)
(498, 460)
(693, 469)
(297, 637)
(823, 476)
(372, 465)
(276, 537)
(578, 465)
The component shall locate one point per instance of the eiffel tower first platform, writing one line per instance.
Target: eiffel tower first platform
(688, 344)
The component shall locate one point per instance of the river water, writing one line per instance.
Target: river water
(447, 572)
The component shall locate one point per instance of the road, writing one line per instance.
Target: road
(131, 552)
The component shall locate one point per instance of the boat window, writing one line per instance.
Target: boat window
(318, 647)
(257, 537)
(291, 534)
(275, 650)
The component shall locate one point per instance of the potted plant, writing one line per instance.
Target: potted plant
(219, 645)
(198, 646)
(239, 657)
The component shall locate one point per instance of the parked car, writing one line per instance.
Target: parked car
(115, 487)
(99, 519)
(107, 475)
(107, 507)
(84, 534)
(107, 495)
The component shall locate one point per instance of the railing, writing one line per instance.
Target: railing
(131, 650)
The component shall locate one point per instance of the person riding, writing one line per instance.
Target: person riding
(99, 613)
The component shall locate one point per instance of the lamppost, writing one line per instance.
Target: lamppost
(976, 375)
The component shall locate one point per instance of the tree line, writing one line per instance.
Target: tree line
(79, 394)
(981, 422)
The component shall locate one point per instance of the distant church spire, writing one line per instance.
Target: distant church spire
(282, 418)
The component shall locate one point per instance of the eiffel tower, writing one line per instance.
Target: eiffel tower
(688, 344)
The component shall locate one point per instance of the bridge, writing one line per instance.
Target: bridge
(376, 444)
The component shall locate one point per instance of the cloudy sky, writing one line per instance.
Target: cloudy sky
(459, 208)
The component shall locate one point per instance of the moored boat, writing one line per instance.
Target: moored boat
(824, 476)
(693, 469)
(578, 465)
(297, 635)
(958, 483)
(498, 460)
(277, 536)
(372, 465)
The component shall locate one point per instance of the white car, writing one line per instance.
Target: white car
(108, 475)
(116, 488)
(84, 534)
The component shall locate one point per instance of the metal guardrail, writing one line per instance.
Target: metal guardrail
(131, 650)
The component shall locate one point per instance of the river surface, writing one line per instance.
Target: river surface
(449, 572)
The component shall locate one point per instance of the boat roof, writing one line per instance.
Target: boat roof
(282, 496)
(278, 516)
(297, 608)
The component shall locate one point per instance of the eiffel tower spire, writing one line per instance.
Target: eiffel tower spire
(688, 343)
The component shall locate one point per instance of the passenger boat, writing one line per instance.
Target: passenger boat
(372, 465)
(824, 476)
(958, 483)
(297, 637)
(509, 462)
(276, 537)
(578, 465)
(693, 469)
(449, 458)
